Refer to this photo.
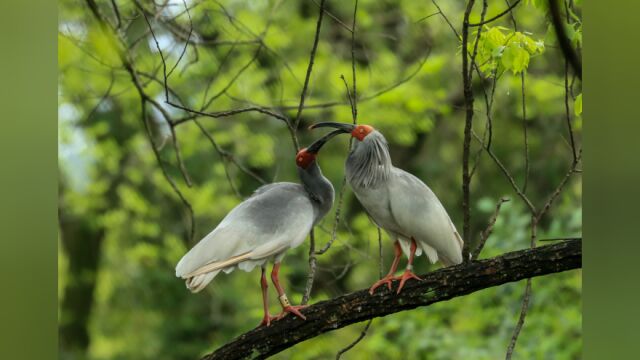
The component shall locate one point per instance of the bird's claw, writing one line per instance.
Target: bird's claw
(408, 274)
(385, 280)
(266, 320)
(293, 309)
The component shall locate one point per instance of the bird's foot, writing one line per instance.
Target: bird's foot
(408, 274)
(385, 280)
(293, 309)
(266, 320)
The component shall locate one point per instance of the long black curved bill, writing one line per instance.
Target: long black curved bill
(347, 128)
(317, 145)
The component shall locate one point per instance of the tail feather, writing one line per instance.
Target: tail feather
(197, 283)
(432, 254)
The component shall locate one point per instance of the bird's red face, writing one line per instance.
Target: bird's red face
(361, 131)
(304, 158)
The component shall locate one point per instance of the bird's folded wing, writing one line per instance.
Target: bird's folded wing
(259, 227)
(419, 213)
(217, 265)
(260, 252)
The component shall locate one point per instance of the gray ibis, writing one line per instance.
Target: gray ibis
(276, 218)
(399, 203)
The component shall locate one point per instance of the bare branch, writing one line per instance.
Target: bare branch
(568, 111)
(225, 113)
(467, 74)
(165, 115)
(335, 18)
(312, 269)
(446, 19)
(354, 113)
(494, 18)
(487, 232)
(127, 63)
(506, 173)
(564, 42)
(525, 299)
(523, 314)
(226, 157)
(116, 12)
(559, 188)
(312, 57)
(356, 341)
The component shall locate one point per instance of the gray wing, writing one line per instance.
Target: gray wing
(419, 213)
(275, 218)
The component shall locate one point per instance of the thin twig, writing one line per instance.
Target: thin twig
(356, 341)
(186, 44)
(166, 175)
(354, 102)
(494, 18)
(446, 19)
(525, 299)
(225, 113)
(312, 269)
(524, 114)
(554, 195)
(312, 57)
(507, 174)
(116, 12)
(568, 112)
(166, 117)
(127, 63)
(489, 229)
(523, 313)
(335, 18)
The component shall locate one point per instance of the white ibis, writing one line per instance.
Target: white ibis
(276, 218)
(399, 203)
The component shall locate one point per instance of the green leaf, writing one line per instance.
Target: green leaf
(577, 105)
(515, 58)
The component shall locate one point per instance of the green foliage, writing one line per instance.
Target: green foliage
(501, 49)
(577, 105)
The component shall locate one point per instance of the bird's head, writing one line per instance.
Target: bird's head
(307, 156)
(359, 132)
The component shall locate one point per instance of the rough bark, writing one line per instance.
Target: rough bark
(437, 286)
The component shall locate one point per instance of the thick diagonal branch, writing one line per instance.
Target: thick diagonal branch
(437, 286)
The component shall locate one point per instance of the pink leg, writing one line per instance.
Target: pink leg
(284, 301)
(408, 272)
(394, 266)
(266, 320)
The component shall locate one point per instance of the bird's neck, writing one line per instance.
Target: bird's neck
(319, 188)
(369, 164)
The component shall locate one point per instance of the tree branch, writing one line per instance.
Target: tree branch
(440, 285)
(564, 42)
(506, 11)
(312, 57)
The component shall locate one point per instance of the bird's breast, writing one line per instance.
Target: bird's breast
(377, 202)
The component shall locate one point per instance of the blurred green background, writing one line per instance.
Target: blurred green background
(122, 228)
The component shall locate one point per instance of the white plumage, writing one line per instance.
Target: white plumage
(276, 218)
(405, 207)
(398, 202)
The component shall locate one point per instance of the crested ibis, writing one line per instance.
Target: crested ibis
(276, 218)
(400, 203)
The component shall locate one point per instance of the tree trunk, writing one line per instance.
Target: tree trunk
(81, 242)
